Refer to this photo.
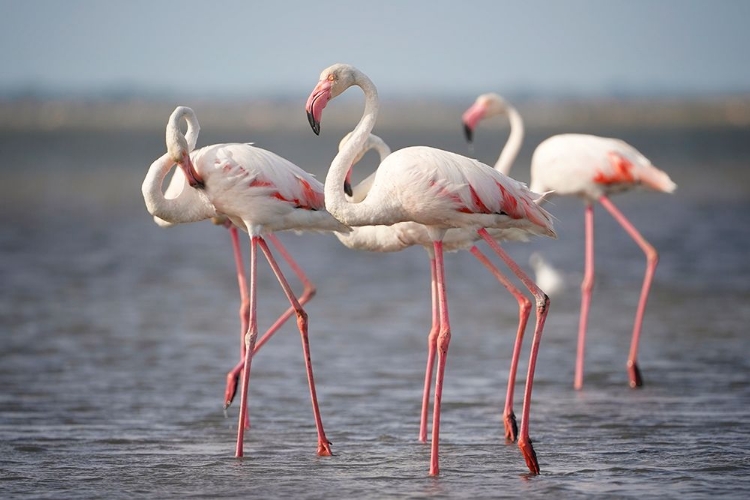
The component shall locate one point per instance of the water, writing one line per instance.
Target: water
(116, 336)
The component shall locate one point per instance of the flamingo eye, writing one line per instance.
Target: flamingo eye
(331, 77)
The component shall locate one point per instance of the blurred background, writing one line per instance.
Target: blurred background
(115, 335)
(247, 68)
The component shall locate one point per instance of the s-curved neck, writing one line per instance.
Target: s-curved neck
(180, 203)
(513, 144)
(193, 129)
(176, 140)
(355, 214)
(359, 192)
(191, 205)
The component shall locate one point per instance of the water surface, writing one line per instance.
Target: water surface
(116, 336)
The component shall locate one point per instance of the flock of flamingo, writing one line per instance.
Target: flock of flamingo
(417, 196)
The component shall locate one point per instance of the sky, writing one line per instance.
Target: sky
(420, 48)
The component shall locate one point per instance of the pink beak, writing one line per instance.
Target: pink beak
(317, 101)
(348, 183)
(471, 117)
(194, 179)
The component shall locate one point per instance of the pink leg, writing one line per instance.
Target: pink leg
(443, 340)
(308, 291)
(587, 286)
(233, 375)
(324, 446)
(250, 338)
(431, 347)
(542, 307)
(307, 294)
(242, 282)
(652, 259)
(524, 309)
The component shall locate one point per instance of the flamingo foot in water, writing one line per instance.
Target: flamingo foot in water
(231, 388)
(529, 455)
(233, 378)
(324, 448)
(511, 428)
(634, 375)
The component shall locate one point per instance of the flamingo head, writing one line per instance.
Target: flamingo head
(333, 81)
(186, 164)
(485, 106)
(178, 147)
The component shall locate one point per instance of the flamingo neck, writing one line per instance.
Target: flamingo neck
(353, 214)
(513, 144)
(176, 140)
(193, 129)
(190, 205)
(360, 191)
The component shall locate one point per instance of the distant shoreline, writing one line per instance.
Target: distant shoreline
(33, 114)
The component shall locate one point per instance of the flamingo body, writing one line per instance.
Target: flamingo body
(445, 190)
(396, 237)
(257, 188)
(590, 166)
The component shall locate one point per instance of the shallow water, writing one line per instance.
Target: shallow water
(116, 336)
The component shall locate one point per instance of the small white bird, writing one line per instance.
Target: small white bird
(548, 278)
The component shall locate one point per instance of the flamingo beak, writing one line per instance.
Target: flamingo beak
(348, 183)
(194, 179)
(471, 118)
(468, 133)
(314, 124)
(317, 101)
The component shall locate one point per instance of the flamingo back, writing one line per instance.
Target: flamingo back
(444, 189)
(591, 166)
(262, 188)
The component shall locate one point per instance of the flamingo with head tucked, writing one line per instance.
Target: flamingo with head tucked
(260, 192)
(592, 167)
(441, 191)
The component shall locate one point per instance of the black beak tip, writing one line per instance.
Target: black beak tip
(468, 133)
(314, 124)
(348, 188)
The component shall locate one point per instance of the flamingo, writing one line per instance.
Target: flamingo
(441, 191)
(178, 187)
(260, 192)
(405, 234)
(592, 167)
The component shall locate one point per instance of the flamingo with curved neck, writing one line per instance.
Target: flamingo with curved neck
(179, 205)
(178, 199)
(592, 168)
(260, 192)
(441, 191)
